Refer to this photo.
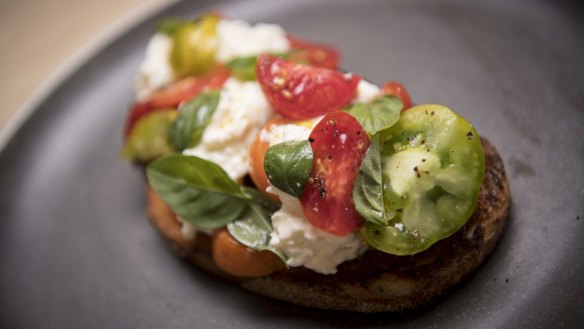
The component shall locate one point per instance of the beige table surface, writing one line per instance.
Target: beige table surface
(42, 38)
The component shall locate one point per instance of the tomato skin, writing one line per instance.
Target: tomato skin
(317, 54)
(339, 144)
(299, 91)
(138, 111)
(257, 153)
(397, 89)
(236, 259)
(187, 88)
(172, 96)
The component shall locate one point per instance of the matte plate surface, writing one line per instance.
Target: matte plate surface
(76, 250)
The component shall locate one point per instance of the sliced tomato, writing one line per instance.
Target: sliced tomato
(339, 144)
(172, 96)
(432, 169)
(397, 89)
(299, 91)
(317, 54)
(186, 89)
(257, 152)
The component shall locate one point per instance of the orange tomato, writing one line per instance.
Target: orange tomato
(236, 259)
(257, 152)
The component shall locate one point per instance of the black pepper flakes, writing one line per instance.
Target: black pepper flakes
(469, 135)
(322, 192)
(311, 140)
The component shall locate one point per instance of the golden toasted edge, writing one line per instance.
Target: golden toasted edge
(375, 282)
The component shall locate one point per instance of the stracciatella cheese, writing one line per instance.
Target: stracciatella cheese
(242, 108)
(306, 245)
(239, 39)
(188, 231)
(302, 243)
(155, 70)
(366, 92)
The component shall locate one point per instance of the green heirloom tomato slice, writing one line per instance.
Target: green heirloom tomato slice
(432, 168)
(149, 138)
(194, 46)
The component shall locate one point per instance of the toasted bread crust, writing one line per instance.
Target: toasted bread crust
(375, 282)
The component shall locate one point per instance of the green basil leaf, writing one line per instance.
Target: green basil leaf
(149, 137)
(170, 26)
(199, 191)
(243, 68)
(254, 227)
(368, 188)
(288, 165)
(377, 115)
(192, 119)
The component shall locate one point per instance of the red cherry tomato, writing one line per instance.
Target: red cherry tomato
(188, 88)
(300, 92)
(170, 97)
(316, 54)
(397, 89)
(339, 144)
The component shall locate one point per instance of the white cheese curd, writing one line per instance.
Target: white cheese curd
(187, 230)
(366, 92)
(289, 131)
(155, 70)
(242, 108)
(306, 245)
(238, 38)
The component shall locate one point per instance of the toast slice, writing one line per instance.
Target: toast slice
(376, 281)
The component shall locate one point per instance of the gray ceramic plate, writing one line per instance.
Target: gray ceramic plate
(76, 250)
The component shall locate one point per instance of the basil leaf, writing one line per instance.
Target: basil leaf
(254, 227)
(170, 26)
(192, 119)
(377, 115)
(199, 191)
(368, 188)
(288, 165)
(149, 137)
(243, 68)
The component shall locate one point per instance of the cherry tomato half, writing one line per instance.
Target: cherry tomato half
(397, 89)
(236, 259)
(316, 54)
(257, 152)
(299, 91)
(171, 97)
(339, 144)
